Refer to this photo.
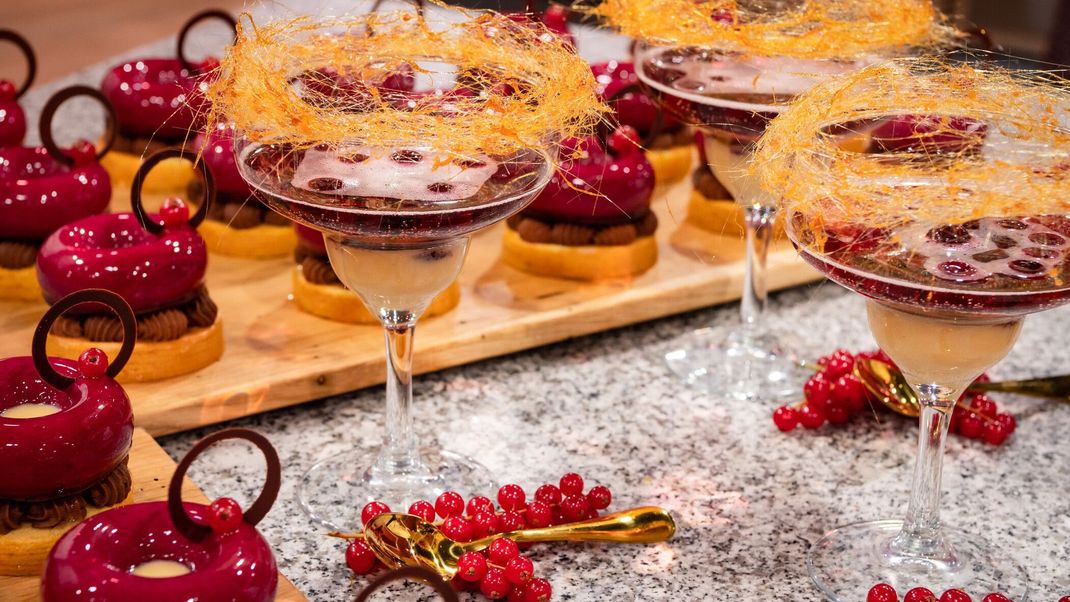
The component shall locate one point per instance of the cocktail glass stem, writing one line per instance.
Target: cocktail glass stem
(921, 530)
(399, 454)
(758, 224)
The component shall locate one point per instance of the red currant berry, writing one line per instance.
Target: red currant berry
(457, 528)
(817, 390)
(424, 510)
(83, 152)
(174, 212)
(548, 494)
(984, 378)
(1064, 599)
(519, 570)
(517, 594)
(984, 406)
(484, 524)
(471, 566)
(511, 497)
(955, 595)
(359, 557)
(971, 426)
(624, 141)
(575, 508)
(510, 521)
(882, 592)
(994, 433)
(224, 515)
(920, 594)
(884, 357)
(208, 65)
(93, 363)
(996, 597)
(494, 584)
(461, 585)
(538, 590)
(501, 551)
(555, 14)
(450, 503)
(1008, 422)
(571, 484)
(480, 504)
(599, 497)
(850, 392)
(838, 414)
(811, 417)
(841, 362)
(785, 418)
(7, 90)
(539, 514)
(372, 510)
(957, 415)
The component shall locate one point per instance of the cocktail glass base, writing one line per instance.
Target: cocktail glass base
(333, 492)
(728, 363)
(850, 560)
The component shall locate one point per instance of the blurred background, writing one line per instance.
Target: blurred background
(71, 34)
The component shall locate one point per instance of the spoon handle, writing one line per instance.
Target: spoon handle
(638, 525)
(1052, 386)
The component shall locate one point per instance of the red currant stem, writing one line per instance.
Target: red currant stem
(810, 366)
(798, 405)
(341, 535)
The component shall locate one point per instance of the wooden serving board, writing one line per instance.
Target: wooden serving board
(278, 356)
(150, 469)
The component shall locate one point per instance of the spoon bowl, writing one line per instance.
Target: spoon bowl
(406, 540)
(889, 386)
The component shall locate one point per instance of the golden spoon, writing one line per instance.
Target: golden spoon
(889, 386)
(406, 540)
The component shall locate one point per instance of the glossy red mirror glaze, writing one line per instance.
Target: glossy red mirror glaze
(155, 97)
(12, 122)
(217, 146)
(311, 237)
(39, 194)
(66, 451)
(599, 187)
(92, 562)
(114, 252)
(631, 108)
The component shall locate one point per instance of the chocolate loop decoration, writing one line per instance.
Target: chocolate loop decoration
(53, 105)
(659, 119)
(195, 531)
(143, 172)
(415, 573)
(204, 15)
(27, 51)
(90, 295)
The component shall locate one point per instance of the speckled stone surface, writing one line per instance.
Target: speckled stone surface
(748, 499)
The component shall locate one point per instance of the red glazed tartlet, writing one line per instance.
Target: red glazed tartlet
(159, 102)
(43, 188)
(209, 553)
(593, 220)
(67, 428)
(157, 263)
(12, 117)
(318, 291)
(238, 224)
(666, 139)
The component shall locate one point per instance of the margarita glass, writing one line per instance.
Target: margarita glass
(731, 98)
(397, 232)
(948, 213)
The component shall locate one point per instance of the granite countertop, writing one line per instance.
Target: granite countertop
(748, 499)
